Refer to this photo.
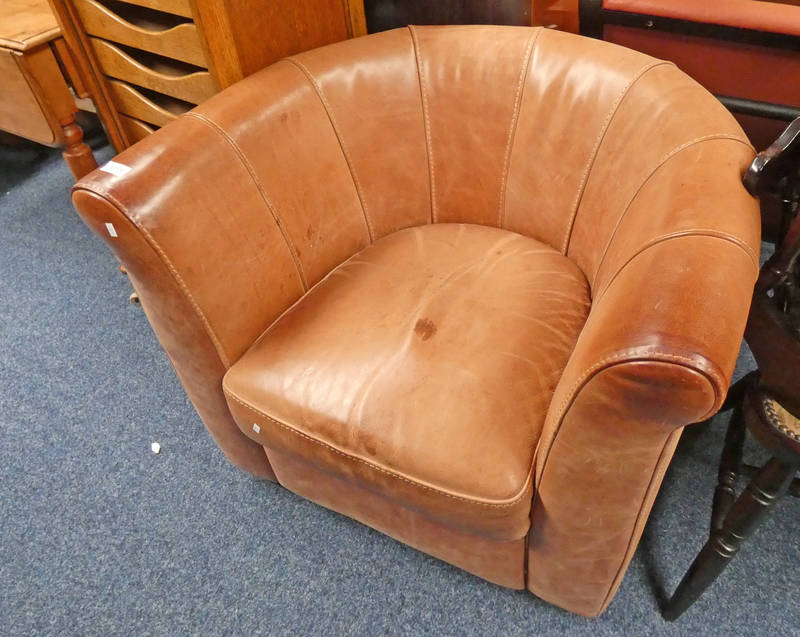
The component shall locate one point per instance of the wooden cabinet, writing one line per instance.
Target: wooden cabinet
(151, 60)
(561, 14)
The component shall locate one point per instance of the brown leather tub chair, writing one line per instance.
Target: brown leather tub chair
(463, 284)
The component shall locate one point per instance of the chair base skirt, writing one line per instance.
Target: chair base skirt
(500, 562)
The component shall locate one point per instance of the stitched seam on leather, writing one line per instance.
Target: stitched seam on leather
(426, 119)
(371, 465)
(655, 479)
(173, 271)
(659, 165)
(598, 142)
(699, 232)
(261, 189)
(326, 105)
(319, 283)
(512, 127)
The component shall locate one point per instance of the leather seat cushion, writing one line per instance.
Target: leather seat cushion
(422, 369)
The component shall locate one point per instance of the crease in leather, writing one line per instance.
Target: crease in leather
(659, 165)
(682, 234)
(261, 189)
(380, 468)
(700, 364)
(653, 485)
(338, 272)
(154, 245)
(426, 119)
(512, 127)
(334, 272)
(332, 118)
(576, 204)
(484, 264)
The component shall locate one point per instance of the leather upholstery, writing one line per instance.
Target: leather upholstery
(374, 392)
(409, 378)
(498, 561)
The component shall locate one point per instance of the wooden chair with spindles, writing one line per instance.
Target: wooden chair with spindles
(765, 402)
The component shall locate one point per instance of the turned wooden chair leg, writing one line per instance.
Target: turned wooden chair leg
(729, 468)
(76, 153)
(758, 499)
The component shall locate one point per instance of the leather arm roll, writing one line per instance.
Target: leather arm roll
(651, 359)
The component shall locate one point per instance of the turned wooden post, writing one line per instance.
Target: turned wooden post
(76, 153)
(748, 511)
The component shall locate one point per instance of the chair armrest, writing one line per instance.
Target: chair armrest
(657, 352)
(180, 324)
(651, 358)
(211, 268)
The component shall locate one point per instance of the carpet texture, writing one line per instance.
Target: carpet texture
(100, 536)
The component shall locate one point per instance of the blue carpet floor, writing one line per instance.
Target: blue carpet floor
(102, 537)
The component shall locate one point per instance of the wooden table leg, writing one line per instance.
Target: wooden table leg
(758, 499)
(76, 153)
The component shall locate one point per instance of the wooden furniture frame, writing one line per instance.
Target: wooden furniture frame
(766, 402)
(35, 71)
(148, 61)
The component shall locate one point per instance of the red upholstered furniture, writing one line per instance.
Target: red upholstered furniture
(747, 49)
(463, 284)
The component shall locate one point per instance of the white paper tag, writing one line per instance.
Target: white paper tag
(112, 231)
(115, 168)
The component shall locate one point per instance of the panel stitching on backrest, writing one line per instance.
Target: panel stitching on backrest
(172, 269)
(261, 189)
(334, 124)
(426, 119)
(697, 232)
(596, 148)
(660, 164)
(512, 127)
